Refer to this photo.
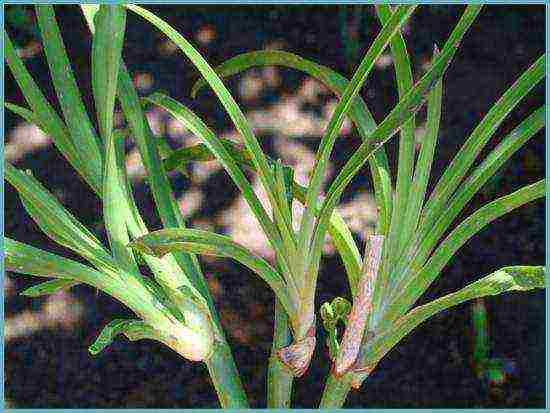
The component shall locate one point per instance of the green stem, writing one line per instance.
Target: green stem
(279, 378)
(225, 378)
(336, 391)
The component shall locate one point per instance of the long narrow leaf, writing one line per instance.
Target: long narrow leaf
(460, 164)
(161, 242)
(338, 230)
(417, 282)
(418, 190)
(333, 129)
(110, 22)
(115, 201)
(25, 259)
(400, 114)
(424, 163)
(43, 115)
(54, 219)
(195, 124)
(404, 78)
(49, 287)
(507, 279)
(428, 237)
(78, 123)
(187, 274)
(260, 162)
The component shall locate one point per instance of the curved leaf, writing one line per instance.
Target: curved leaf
(419, 280)
(55, 220)
(132, 329)
(464, 159)
(409, 105)
(496, 158)
(197, 126)
(338, 230)
(258, 157)
(49, 287)
(398, 18)
(43, 115)
(159, 243)
(507, 279)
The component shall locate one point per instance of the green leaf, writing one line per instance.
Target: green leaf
(409, 227)
(425, 160)
(165, 202)
(338, 230)
(132, 329)
(179, 158)
(428, 237)
(49, 287)
(507, 279)
(110, 23)
(116, 211)
(159, 243)
(462, 162)
(418, 280)
(24, 259)
(56, 222)
(404, 78)
(43, 115)
(333, 129)
(196, 125)
(180, 269)
(360, 116)
(258, 157)
(89, 11)
(79, 125)
(409, 105)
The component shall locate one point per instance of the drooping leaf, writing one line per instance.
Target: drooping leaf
(419, 279)
(159, 243)
(49, 287)
(132, 329)
(507, 279)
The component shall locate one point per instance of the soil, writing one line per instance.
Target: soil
(431, 368)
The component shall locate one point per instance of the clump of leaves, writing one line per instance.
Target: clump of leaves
(407, 253)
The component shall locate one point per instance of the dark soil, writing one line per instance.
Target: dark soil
(432, 367)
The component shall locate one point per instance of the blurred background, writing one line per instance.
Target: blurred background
(46, 359)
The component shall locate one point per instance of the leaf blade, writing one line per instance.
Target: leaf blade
(160, 242)
(78, 122)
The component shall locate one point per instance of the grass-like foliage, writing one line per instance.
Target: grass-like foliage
(416, 233)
